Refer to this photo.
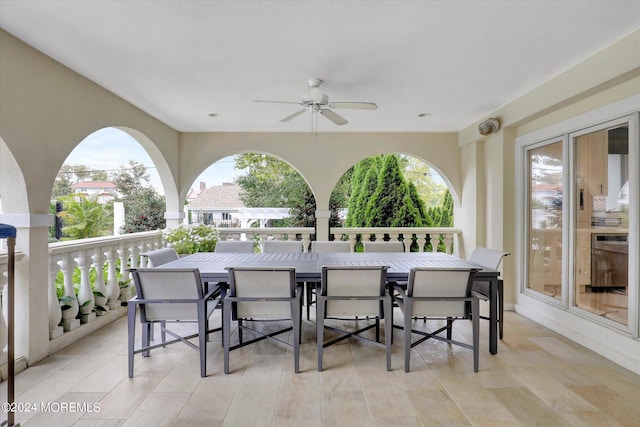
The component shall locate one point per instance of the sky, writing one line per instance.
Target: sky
(108, 149)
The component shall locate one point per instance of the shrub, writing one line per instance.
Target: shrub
(192, 239)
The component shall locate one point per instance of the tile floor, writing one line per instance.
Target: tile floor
(537, 378)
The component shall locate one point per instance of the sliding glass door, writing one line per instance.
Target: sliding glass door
(601, 224)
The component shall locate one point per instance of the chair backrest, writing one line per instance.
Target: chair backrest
(353, 281)
(282, 246)
(168, 284)
(244, 246)
(488, 258)
(390, 246)
(262, 282)
(440, 283)
(161, 256)
(335, 246)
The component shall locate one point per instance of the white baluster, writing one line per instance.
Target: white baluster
(306, 240)
(113, 287)
(435, 239)
(55, 312)
(448, 241)
(69, 304)
(353, 239)
(421, 240)
(125, 291)
(86, 298)
(99, 286)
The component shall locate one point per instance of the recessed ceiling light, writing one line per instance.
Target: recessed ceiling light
(213, 115)
(424, 114)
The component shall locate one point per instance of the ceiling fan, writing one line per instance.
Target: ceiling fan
(316, 101)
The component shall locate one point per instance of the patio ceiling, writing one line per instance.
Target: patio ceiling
(456, 60)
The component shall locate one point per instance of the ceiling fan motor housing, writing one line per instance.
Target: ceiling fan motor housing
(315, 97)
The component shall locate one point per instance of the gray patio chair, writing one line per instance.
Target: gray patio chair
(170, 296)
(282, 246)
(160, 256)
(322, 247)
(347, 292)
(380, 246)
(490, 259)
(261, 295)
(438, 294)
(244, 246)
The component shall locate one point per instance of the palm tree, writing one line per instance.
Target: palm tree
(83, 218)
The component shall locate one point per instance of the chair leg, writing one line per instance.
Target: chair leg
(226, 332)
(450, 327)
(320, 307)
(408, 310)
(202, 337)
(475, 304)
(131, 329)
(500, 306)
(388, 329)
(146, 337)
(296, 315)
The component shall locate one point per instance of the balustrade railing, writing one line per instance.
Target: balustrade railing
(416, 239)
(84, 264)
(260, 235)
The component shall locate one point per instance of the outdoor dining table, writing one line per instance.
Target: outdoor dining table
(308, 267)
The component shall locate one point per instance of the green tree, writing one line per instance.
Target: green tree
(144, 212)
(130, 180)
(144, 207)
(422, 176)
(62, 185)
(97, 175)
(391, 205)
(363, 185)
(85, 217)
(269, 182)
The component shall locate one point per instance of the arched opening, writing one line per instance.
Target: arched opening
(251, 189)
(392, 190)
(108, 185)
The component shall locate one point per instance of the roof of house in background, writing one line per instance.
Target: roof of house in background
(226, 195)
(93, 184)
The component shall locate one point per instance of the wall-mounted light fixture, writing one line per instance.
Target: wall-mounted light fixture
(489, 126)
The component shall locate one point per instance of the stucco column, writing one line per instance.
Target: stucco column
(322, 225)
(31, 284)
(174, 219)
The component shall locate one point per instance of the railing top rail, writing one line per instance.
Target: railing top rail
(70, 245)
(401, 230)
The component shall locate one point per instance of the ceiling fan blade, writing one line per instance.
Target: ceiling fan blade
(293, 116)
(354, 105)
(277, 102)
(335, 118)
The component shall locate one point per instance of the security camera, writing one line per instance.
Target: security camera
(489, 126)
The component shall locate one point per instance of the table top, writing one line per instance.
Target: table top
(309, 265)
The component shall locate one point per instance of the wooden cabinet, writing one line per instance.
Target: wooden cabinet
(598, 162)
(591, 173)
